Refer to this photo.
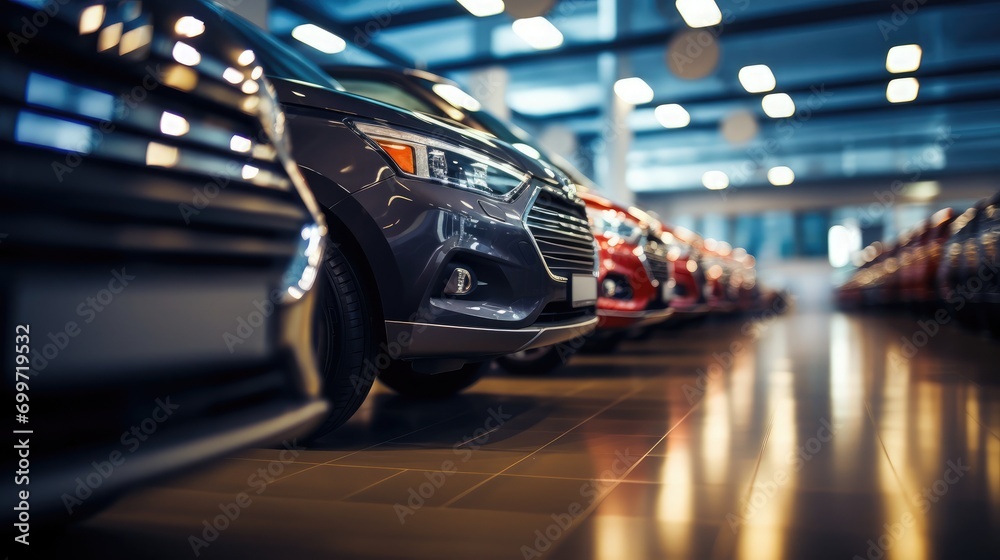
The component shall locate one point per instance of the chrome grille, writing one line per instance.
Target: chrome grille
(562, 233)
(657, 264)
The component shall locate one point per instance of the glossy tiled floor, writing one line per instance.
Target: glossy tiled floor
(809, 436)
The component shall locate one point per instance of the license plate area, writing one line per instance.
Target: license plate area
(667, 291)
(583, 289)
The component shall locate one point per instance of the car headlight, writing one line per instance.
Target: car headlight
(436, 160)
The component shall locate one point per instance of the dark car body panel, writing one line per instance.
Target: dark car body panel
(130, 254)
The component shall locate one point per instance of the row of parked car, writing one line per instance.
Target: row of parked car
(208, 242)
(948, 263)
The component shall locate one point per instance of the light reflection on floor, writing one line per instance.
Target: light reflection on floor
(816, 438)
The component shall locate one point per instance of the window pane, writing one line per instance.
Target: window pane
(813, 238)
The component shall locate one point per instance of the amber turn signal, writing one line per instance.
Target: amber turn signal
(401, 154)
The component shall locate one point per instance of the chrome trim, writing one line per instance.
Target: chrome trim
(532, 337)
(528, 209)
(524, 223)
(487, 329)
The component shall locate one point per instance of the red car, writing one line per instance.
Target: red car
(634, 288)
(919, 270)
(966, 275)
(854, 293)
(688, 273)
(719, 295)
(922, 260)
(634, 285)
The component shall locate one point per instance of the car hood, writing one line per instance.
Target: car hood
(291, 92)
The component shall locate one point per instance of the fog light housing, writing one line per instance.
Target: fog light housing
(460, 283)
(616, 287)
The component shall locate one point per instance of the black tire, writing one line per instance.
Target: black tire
(401, 377)
(539, 361)
(344, 338)
(992, 313)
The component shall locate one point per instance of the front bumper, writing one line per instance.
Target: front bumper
(520, 296)
(424, 340)
(633, 319)
(644, 305)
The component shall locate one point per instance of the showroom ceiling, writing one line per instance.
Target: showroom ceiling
(829, 56)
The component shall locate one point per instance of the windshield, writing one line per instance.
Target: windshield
(612, 223)
(388, 93)
(277, 58)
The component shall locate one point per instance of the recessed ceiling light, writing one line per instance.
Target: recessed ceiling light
(483, 8)
(757, 78)
(240, 143)
(186, 54)
(319, 38)
(699, 13)
(778, 105)
(781, 176)
(172, 124)
(634, 90)
(454, 95)
(246, 57)
(903, 58)
(923, 190)
(188, 26)
(538, 32)
(715, 180)
(91, 19)
(232, 75)
(902, 90)
(672, 116)
(161, 155)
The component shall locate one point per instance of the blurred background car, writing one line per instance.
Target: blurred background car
(458, 247)
(946, 264)
(989, 251)
(159, 252)
(919, 282)
(688, 299)
(635, 288)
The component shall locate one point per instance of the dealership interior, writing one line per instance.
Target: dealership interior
(567, 279)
